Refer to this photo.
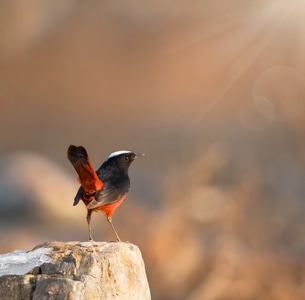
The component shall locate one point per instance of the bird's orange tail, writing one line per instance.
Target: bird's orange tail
(87, 176)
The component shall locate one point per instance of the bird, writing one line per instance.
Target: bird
(107, 187)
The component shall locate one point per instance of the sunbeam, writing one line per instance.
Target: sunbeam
(224, 51)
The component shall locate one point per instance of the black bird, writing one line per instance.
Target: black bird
(104, 189)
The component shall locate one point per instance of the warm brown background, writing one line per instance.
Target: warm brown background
(212, 91)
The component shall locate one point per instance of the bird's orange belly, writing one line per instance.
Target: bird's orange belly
(110, 208)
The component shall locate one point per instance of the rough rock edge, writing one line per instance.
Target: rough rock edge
(82, 270)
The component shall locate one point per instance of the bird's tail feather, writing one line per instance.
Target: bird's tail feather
(87, 176)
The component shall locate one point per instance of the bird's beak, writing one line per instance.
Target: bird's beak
(139, 155)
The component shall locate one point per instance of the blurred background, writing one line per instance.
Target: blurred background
(212, 91)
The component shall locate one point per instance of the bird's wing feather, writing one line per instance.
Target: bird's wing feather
(78, 196)
(107, 195)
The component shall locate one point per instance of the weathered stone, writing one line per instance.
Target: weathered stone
(87, 270)
(58, 289)
(14, 287)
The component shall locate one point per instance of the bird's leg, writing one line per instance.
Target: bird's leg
(109, 219)
(89, 212)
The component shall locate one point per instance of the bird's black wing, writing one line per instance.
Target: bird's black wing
(78, 196)
(107, 195)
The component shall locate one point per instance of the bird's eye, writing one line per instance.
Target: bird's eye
(127, 157)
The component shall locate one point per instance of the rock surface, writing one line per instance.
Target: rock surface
(82, 270)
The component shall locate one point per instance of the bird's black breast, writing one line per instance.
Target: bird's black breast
(115, 177)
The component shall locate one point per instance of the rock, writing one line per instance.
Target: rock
(79, 270)
(21, 262)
